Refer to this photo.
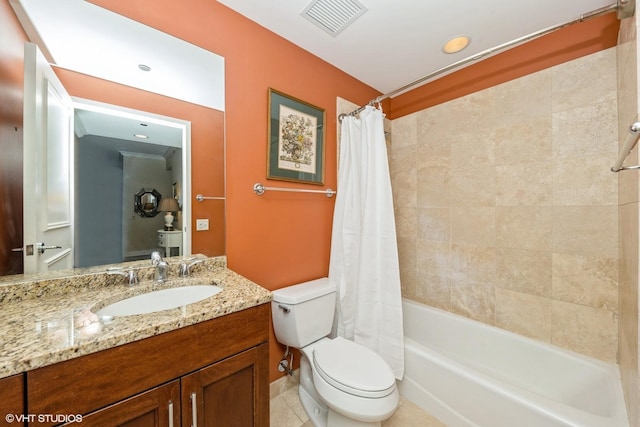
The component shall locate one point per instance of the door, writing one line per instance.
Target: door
(47, 173)
(229, 393)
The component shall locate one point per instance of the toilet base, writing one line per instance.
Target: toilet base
(312, 404)
(316, 411)
(322, 416)
(335, 419)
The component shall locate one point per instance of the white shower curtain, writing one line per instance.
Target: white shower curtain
(364, 252)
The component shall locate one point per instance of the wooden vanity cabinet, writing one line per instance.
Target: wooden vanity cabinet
(12, 397)
(222, 362)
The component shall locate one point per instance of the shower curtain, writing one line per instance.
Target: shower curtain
(364, 253)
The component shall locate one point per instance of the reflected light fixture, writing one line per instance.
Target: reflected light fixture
(140, 135)
(456, 44)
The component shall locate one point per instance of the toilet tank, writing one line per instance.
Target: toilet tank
(303, 313)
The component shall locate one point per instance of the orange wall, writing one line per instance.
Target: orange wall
(555, 48)
(275, 240)
(207, 125)
(279, 238)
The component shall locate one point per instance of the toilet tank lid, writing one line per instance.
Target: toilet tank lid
(304, 291)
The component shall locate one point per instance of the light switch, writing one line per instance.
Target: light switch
(202, 224)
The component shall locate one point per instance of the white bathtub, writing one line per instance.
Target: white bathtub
(467, 373)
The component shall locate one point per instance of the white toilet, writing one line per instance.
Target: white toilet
(342, 383)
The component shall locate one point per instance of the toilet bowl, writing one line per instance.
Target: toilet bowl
(342, 383)
(353, 380)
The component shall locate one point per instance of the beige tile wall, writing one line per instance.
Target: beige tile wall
(507, 211)
(628, 219)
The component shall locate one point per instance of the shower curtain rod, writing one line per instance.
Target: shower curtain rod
(465, 61)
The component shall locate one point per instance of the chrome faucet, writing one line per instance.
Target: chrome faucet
(155, 258)
(131, 275)
(160, 265)
(185, 266)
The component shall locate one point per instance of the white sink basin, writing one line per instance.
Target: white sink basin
(164, 299)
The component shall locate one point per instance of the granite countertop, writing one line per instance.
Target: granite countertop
(45, 320)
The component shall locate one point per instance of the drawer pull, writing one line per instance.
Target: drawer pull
(194, 411)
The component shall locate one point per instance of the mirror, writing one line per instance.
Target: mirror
(186, 81)
(145, 202)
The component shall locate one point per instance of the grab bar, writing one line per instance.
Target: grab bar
(259, 189)
(629, 143)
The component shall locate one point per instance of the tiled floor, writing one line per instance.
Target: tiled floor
(286, 411)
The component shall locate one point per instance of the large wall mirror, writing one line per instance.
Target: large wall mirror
(111, 167)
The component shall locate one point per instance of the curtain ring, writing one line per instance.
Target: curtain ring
(379, 104)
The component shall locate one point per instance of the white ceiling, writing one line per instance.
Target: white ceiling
(80, 36)
(397, 42)
(393, 43)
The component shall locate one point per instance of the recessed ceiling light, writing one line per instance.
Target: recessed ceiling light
(140, 135)
(456, 44)
(144, 67)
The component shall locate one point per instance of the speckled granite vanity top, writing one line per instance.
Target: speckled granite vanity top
(48, 320)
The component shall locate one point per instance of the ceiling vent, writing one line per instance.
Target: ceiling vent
(333, 16)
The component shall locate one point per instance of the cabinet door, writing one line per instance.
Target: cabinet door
(12, 398)
(158, 407)
(233, 392)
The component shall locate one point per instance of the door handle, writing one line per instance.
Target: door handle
(29, 250)
(42, 247)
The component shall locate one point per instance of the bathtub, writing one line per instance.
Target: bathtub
(467, 373)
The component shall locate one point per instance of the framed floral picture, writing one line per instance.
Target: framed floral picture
(296, 140)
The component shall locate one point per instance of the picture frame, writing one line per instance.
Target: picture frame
(296, 140)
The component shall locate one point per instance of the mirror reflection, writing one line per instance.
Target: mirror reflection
(120, 181)
(145, 202)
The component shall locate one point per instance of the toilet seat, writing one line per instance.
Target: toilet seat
(353, 368)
